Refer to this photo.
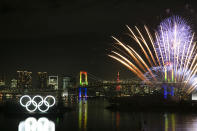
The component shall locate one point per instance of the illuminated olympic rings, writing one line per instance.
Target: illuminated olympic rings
(36, 102)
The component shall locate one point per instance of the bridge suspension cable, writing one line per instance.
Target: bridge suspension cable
(91, 76)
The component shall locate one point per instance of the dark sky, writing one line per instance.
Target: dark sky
(65, 36)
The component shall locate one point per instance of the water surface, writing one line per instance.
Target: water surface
(92, 115)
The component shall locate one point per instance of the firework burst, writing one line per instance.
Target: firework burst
(169, 56)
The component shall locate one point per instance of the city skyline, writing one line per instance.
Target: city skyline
(75, 38)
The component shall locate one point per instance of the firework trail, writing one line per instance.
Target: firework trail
(169, 56)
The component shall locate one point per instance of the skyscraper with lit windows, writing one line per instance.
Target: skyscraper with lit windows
(24, 79)
(42, 80)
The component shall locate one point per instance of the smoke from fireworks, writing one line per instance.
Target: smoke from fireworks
(169, 56)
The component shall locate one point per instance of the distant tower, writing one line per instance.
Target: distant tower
(118, 87)
(42, 78)
(24, 79)
(53, 80)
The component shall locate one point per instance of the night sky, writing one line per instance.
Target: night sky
(65, 36)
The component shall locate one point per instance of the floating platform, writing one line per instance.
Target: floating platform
(13, 108)
(150, 103)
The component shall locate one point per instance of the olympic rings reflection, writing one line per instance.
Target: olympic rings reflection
(37, 102)
(31, 124)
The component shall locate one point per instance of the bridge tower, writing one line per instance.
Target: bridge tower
(83, 83)
(118, 87)
(168, 91)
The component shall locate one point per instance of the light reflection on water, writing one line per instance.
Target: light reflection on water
(83, 110)
(169, 122)
(32, 124)
(91, 115)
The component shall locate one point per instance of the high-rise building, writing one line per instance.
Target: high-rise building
(42, 79)
(2, 80)
(24, 79)
(67, 82)
(53, 81)
(13, 83)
